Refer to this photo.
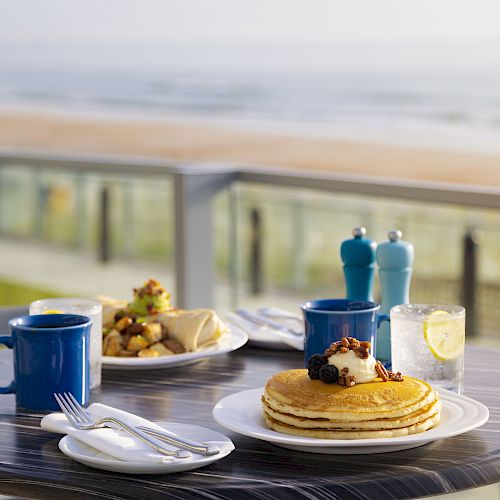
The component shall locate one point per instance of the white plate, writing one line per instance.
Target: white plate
(242, 413)
(263, 339)
(231, 342)
(91, 457)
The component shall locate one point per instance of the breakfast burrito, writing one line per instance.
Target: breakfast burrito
(110, 307)
(193, 329)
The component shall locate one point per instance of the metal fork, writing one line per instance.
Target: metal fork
(79, 418)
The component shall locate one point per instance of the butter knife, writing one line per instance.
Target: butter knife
(171, 438)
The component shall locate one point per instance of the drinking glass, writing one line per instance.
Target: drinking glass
(84, 307)
(427, 342)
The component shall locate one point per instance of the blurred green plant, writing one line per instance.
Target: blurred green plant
(17, 294)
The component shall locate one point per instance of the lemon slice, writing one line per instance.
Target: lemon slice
(52, 311)
(444, 337)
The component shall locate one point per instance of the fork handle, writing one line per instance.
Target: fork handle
(182, 442)
(143, 437)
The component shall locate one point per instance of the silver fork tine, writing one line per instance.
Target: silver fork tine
(79, 408)
(67, 411)
(75, 411)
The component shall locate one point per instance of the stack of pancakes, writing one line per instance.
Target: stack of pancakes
(295, 404)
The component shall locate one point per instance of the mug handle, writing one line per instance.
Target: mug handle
(11, 388)
(380, 319)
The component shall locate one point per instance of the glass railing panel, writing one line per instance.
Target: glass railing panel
(51, 233)
(302, 231)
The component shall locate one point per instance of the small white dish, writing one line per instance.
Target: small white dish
(242, 413)
(91, 457)
(232, 341)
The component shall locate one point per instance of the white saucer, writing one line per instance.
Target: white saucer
(242, 413)
(91, 457)
(233, 341)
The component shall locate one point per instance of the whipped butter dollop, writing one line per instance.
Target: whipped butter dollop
(363, 369)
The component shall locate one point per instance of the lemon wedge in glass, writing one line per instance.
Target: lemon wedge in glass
(52, 311)
(445, 337)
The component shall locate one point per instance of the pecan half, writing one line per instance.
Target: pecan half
(361, 352)
(396, 377)
(382, 371)
(343, 349)
(348, 381)
(330, 352)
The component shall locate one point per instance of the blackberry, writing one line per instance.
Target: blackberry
(328, 374)
(314, 364)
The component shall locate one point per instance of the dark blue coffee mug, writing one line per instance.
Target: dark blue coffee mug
(51, 354)
(328, 320)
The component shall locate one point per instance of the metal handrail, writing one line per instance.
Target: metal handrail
(432, 191)
(408, 189)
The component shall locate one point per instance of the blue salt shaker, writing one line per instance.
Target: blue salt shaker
(358, 257)
(395, 262)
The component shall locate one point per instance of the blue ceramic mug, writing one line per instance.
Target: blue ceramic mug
(328, 320)
(51, 354)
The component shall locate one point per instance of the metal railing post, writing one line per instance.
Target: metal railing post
(104, 226)
(81, 209)
(298, 244)
(469, 280)
(233, 248)
(194, 245)
(128, 219)
(41, 201)
(255, 251)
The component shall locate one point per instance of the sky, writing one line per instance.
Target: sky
(242, 34)
(249, 21)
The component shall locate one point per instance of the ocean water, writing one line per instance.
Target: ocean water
(354, 93)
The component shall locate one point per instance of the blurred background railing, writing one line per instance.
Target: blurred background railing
(232, 236)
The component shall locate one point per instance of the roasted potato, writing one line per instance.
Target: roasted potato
(127, 354)
(148, 353)
(137, 343)
(161, 349)
(152, 332)
(112, 344)
(123, 323)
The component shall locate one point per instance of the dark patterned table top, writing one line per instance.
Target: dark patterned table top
(31, 464)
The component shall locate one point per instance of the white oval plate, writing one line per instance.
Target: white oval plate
(231, 342)
(91, 457)
(242, 413)
(264, 340)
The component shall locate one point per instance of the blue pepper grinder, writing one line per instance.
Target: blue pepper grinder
(395, 262)
(358, 256)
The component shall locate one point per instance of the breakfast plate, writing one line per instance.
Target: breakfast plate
(91, 457)
(230, 342)
(242, 413)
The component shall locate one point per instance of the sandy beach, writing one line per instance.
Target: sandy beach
(203, 142)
